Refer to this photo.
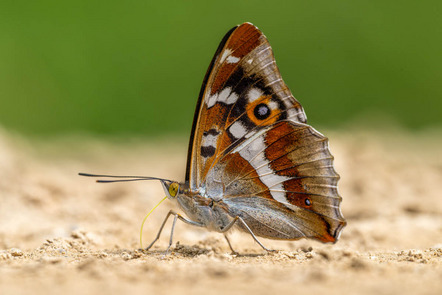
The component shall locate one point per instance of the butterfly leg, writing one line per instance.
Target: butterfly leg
(237, 218)
(171, 234)
(230, 245)
(176, 216)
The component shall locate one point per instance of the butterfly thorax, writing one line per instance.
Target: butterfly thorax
(203, 209)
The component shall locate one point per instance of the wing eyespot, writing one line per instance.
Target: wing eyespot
(262, 111)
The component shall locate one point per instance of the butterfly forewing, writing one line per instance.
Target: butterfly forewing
(252, 149)
(243, 92)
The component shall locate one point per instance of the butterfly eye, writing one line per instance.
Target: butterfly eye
(173, 189)
(308, 202)
(261, 111)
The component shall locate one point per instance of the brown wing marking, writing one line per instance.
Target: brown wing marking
(244, 39)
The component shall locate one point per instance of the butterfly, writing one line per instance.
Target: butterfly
(253, 162)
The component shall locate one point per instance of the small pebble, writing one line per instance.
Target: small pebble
(102, 255)
(16, 252)
(309, 249)
(62, 251)
(126, 256)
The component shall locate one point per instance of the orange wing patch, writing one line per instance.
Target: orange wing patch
(261, 109)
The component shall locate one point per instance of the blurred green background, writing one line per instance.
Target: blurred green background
(136, 67)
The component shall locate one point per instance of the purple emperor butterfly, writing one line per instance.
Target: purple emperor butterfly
(253, 162)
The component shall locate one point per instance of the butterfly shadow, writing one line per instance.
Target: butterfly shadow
(196, 250)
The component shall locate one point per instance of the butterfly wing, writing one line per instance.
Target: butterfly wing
(242, 78)
(252, 149)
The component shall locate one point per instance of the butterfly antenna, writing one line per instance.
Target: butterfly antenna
(123, 178)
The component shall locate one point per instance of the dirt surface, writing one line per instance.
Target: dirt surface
(64, 234)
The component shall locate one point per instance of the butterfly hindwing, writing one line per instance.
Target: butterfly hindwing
(252, 149)
(289, 168)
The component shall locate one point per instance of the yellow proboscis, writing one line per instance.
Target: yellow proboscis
(144, 220)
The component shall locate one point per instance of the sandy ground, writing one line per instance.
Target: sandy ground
(64, 234)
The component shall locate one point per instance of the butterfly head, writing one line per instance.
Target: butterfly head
(171, 188)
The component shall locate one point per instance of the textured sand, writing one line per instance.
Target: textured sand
(64, 234)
